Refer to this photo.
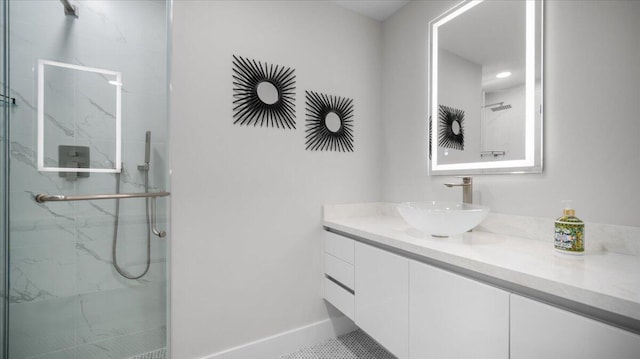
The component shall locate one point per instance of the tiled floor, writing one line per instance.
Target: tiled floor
(354, 345)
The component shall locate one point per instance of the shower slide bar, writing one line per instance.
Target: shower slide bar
(44, 197)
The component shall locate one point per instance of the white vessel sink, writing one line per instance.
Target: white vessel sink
(442, 219)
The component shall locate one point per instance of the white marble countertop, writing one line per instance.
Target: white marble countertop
(600, 279)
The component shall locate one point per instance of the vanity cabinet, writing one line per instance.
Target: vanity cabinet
(539, 330)
(339, 272)
(382, 297)
(419, 311)
(371, 287)
(455, 317)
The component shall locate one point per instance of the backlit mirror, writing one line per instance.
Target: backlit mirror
(79, 119)
(485, 81)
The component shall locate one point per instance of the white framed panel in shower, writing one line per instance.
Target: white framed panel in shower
(113, 78)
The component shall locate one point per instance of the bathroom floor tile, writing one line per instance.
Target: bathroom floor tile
(354, 345)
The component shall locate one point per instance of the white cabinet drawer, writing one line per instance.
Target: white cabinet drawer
(339, 270)
(539, 330)
(339, 298)
(339, 246)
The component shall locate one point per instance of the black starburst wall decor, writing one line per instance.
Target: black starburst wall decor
(450, 127)
(329, 122)
(264, 94)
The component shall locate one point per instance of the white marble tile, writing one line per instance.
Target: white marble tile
(95, 108)
(95, 235)
(39, 224)
(124, 346)
(41, 327)
(133, 23)
(142, 113)
(25, 177)
(60, 354)
(113, 313)
(95, 218)
(59, 127)
(94, 270)
(42, 272)
(38, 35)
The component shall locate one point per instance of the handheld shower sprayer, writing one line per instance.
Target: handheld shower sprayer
(147, 161)
(147, 153)
(150, 209)
(147, 147)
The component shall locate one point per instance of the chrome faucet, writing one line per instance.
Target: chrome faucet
(467, 189)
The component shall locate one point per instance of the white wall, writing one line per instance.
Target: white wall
(592, 93)
(246, 201)
(459, 87)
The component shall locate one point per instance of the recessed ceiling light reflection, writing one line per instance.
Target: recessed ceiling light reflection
(503, 74)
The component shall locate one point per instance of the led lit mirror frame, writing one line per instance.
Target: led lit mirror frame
(117, 84)
(532, 163)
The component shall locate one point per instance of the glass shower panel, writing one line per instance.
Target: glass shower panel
(66, 299)
(5, 104)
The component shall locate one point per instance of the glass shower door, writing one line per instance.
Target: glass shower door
(90, 118)
(4, 176)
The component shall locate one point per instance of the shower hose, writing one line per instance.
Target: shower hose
(121, 271)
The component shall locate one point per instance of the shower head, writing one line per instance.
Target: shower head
(69, 10)
(498, 106)
(147, 148)
(501, 108)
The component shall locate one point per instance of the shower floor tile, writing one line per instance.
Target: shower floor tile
(354, 345)
(156, 354)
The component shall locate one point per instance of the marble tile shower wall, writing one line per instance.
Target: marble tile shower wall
(66, 300)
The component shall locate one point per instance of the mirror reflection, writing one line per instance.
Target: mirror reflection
(332, 121)
(485, 81)
(267, 92)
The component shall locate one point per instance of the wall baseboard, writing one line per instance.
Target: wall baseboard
(289, 341)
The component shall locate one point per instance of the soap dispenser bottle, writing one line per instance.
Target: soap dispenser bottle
(569, 233)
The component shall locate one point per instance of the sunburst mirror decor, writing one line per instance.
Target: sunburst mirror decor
(329, 122)
(264, 94)
(450, 127)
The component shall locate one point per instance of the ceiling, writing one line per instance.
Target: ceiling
(376, 9)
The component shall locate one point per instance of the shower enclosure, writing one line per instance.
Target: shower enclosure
(84, 130)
